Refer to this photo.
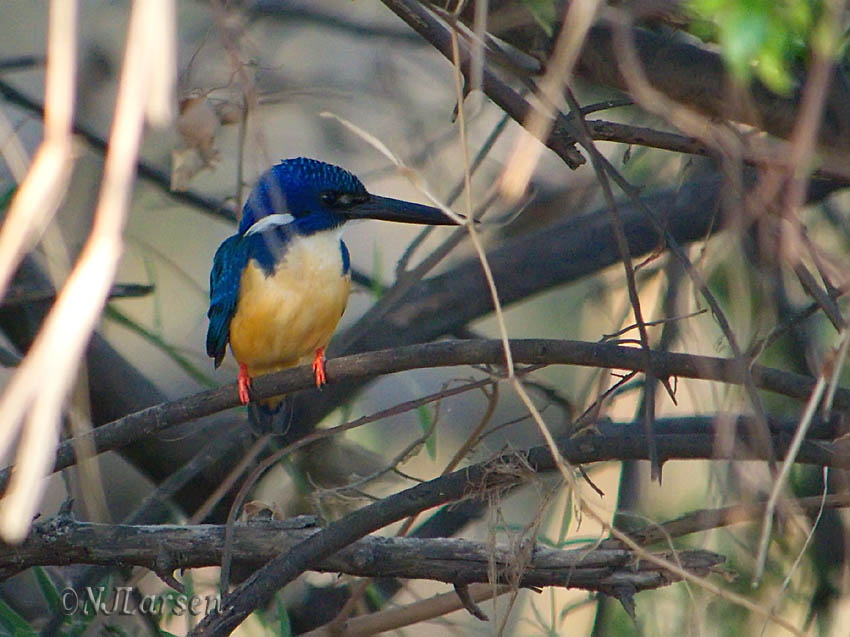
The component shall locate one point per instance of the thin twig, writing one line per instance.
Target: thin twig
(824, 379)
(702, 582)
(786, 581)
(414, 613)
(626, 258)
(559, 69)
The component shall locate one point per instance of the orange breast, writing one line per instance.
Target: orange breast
(285, 317)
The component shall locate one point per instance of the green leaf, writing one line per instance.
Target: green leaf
(48, 589)
(545, 13)
(184, 363)
(741, 37)
(761, 38)
(12, 622)
(373, 594)
(378, 288)
(566, 519)
(772, 70)
(6, 197)
(284, 625)
(427, 425)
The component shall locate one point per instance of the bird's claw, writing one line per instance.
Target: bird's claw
(244, 383)
(319, 367)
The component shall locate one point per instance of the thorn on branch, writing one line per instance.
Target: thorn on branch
(590, 482)
(474, 609)
(164, 569)
(66, 509)
(466, 90)
(172, 581)
(625, 594)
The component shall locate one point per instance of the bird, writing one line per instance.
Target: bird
(279, 286)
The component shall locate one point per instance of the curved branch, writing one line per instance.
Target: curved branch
(444, 354)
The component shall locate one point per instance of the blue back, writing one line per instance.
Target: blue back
(230, 259)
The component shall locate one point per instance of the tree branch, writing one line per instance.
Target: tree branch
(498, 474)
(359, 367)
(164, 549)
(683, 71)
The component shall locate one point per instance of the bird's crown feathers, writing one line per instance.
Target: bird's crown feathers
(299, 187)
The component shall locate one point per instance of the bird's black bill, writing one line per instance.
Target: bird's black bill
(388, 209)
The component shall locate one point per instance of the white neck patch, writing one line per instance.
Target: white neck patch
(270, 221)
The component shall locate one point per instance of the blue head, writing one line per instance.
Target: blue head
(314, 194)
(307, 196)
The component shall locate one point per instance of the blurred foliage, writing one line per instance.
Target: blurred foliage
(761, 38)
(114, 314)
(545, 13)
(12, 622)
(426, 423)
(284, 628)
(6, 197)
(378, 286)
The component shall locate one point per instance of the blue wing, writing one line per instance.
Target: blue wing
(230, 259)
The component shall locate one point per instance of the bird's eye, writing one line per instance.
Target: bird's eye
(337, 199)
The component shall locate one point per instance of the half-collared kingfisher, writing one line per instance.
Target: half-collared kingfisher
(279, 286)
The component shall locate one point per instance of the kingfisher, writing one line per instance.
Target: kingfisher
(279, 286)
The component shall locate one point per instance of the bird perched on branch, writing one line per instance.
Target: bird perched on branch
(279, 286)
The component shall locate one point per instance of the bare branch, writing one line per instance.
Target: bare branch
(444, 354)
(166, 548)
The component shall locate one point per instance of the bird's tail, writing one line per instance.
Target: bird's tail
(271, 416)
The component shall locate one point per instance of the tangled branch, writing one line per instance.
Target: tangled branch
(165, 548)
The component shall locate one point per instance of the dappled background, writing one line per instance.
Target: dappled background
(258, 82)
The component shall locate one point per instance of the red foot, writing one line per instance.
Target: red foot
(319, 367)
(244, 382)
